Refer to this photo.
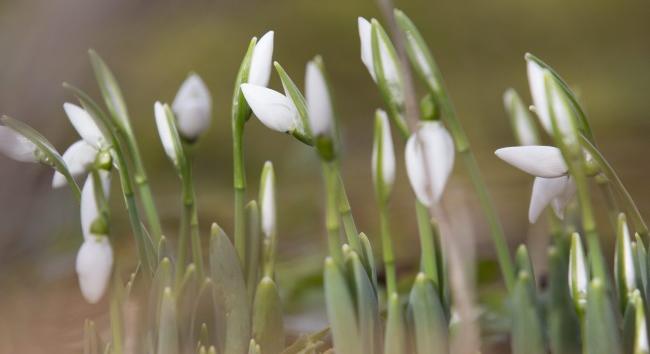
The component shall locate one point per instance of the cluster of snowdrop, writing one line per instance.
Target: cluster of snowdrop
(239, 276)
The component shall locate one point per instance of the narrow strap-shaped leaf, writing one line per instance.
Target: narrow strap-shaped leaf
(268, 327)
(240, 109)
(168, 325)
(602, 333)
(367, 307)
(187, 291)
(369, 256)
(563, 324)
(253, 248)
(527, 327)
(307, 343)
(110, 91)
(163, 278)
(395, 338)
(341, 311)
(641, 265)
(230, 292)
(629, 328)
(427, 318)
(298, 99)
(206, 315)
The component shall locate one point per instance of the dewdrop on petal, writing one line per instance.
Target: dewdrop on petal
(261, 60)
(428, 178)
(383, 146)
(267, 200)
(319, 103)
(192, 107)
(16, 146)
(94, 265)
(275, 110)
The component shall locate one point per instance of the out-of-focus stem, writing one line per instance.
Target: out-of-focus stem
(191, 220)
(240, 189)
(426, 242)
(387, 248)
(331, 177)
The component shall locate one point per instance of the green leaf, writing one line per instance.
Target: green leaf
(168, 327)
(395, 338)
(602, 333)
(253, 248)
(563, 324)
(307, 343)
(230, 292)
(304, 131)
(369, 256)
(50, 156)
(341, 311)
(427, 318)
(187, 294)
(641, 327)
(629, 330)
(527, 327)
(111, 92)
(240, 109)
(624, 269)
(268, 327)
(254, 348)
(367, 306)
(206, 314)
(641, 265)
(162, 279)
(521, 120)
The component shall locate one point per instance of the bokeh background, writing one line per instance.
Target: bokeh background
(600, 47)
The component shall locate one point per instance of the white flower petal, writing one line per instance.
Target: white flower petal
(165, 131)
(261, 60)
(318, 99)
(94, 265)
(538, 92)
(89, 209)
(429, 184)
(85, 126)
(77, 158)
(387, 152)
(16, 146)
(365, 37)
(544, 191)
(562, 112)
(540, 161)
(267, 200)
(560, 203)
(273, 109)
(192, 107)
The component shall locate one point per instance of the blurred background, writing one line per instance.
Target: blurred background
(600, 47)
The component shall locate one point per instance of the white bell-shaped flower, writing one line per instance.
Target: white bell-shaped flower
(80, 156)
(319, 103)
(261, 61)
(429, 161)
(192, 107)
(165, 131)
(89, 207)
(273, 109)
(383, 146)
(16, 146)
(552, 184)
(94, 266)
(267, 200)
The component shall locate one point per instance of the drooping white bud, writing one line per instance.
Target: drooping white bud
(521, 120)
(16, 146)
(261, 60)
(538, 93)
(89, 204)
(165, 131)
(273, 109)
(429, 161)
(94, 265)
(192, 107)
(578, 272)
(383, 153)
(78, 158)
(85, 126)
(267, 200)
(319, 103)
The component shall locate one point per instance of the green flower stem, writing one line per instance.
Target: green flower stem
(115, 313)
(387, 248)
(607, 169)
(427, 242)
(189, 223)
(240, 188)
(331, 177)
(345, 211)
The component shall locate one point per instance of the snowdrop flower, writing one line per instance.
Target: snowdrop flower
(166, 132)
(94, 265)
(275, 110)
(192, 107)
(81, 155)
(429, 177)
(520, 117)
(267, 200)
(16, 146)
(90, 209)
(261, 60)
(383, 154)
(552, 183)
(578, 272)
(538, 93)
(390, 67)
(319, 103)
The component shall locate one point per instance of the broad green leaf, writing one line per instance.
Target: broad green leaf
(230, 292)
(427, 318)
(367, 306)
(395, 338)
(341, 311)
(268, 327)
(527, 330)
(253, 248)
(49, 154)
(602, 333)
(111, 92)
(168, 325)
